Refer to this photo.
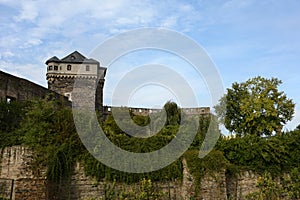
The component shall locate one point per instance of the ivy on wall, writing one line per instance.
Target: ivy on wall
(47, 127)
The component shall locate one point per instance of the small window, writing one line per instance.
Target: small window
(55, 67)
(87, 68)
(69, 67)
(60, 68)
(73, 57)
(50, 67)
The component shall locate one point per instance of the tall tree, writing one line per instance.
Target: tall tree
(255, 107)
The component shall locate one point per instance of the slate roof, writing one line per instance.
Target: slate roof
(74, 57)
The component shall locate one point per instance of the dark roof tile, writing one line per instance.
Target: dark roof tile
(53, 59)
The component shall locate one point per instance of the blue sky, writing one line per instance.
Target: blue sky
(244, 38)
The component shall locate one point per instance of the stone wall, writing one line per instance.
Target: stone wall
(238, 186)
(16, 165)
(213, 186)
(6, 186)
(29, 184)
(83, 187)
(18, 88)
(30, 189)
(15, 88)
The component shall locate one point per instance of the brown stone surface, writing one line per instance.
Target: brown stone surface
(246, 184)
(30, 189)
(16, 165)
(19, 89)
(213, 186)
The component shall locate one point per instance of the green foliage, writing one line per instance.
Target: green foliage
(270, 188)
(256, 153)
(255, 107)
(213, 162)
(173, 113)
(49, 130)
(11, 114)
(135, 144)
(96, 169)
(291, 184)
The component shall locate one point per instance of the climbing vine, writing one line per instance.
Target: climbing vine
(48, 128)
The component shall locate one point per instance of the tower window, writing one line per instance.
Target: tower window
(55, 67)
(50, 67)
(87, 68)
(69, 67)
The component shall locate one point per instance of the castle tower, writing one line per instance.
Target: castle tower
(61, 75)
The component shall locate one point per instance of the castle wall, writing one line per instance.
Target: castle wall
(16, 165)
(19, 89)
(15, 88)
(17, 169)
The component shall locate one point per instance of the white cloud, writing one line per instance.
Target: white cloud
(32, 72)
(30, 43)
(170, 22)
(6, 54)
(234, 31)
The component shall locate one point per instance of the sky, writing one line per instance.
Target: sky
(243, 38)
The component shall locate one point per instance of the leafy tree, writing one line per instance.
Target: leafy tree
(255, 107)
(173, 113)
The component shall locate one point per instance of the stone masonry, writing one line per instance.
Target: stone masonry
(16, 165)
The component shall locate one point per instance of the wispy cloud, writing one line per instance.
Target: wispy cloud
(243, 37)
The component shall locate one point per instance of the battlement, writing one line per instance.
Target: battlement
(146, 111)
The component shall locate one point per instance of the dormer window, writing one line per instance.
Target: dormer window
(69, 67)
(87, 68)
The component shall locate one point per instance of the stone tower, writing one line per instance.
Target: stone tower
(61, 75)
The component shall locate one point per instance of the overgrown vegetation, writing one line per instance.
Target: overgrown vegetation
(47, 127)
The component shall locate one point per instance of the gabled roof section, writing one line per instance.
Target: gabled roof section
(74, 57)
(53, 59)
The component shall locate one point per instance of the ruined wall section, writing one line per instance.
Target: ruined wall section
(19, 89)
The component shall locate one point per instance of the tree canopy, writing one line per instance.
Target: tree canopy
(255, 107)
